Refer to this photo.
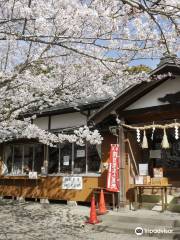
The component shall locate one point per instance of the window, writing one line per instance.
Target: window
(28, 158)
(53, 165)
(94, 158)
(8, 157)
(72, 158)
(64, 158)
(79, 159)
(38, 157)
(23, 158)
(66, 152)
(17, 159)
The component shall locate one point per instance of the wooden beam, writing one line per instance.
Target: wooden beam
(157, 113)
(126, 98)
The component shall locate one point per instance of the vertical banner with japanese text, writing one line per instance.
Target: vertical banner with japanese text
(113, 169)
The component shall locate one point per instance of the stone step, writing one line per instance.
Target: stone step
(154, 221)
(127, 227)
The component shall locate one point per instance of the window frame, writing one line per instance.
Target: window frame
(13, 145)
(46, 156)
(72, 162)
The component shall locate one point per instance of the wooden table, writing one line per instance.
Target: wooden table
(97, 191)
(138, 189)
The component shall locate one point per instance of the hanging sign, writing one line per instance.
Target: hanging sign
(113, 169)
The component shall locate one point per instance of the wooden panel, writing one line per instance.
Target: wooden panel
(160, 113)
(48, 187)
(42, 122)
(68, 120)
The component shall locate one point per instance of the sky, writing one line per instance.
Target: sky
(151, 63)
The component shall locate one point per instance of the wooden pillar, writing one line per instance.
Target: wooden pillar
(46, 158)
(122, 197)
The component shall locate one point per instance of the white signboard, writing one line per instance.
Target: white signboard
(66, 160)
(80, 153)
(72, 183)
(33, 175)
(143, 169)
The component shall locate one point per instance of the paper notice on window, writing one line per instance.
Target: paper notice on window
(66, 160)
(80, 153)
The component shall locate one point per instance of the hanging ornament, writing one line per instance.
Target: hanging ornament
(176, 131)
(138, 134)
(165, 143)
(144, 142)
(152, 135)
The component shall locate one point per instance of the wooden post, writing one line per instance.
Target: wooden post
(122, 195)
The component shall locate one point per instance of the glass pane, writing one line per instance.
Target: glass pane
(53, 160)
(8, 158)
(94, 157)
(38, 157)
(28, 158)
(79, 159)
(66, 157)
(17, 163)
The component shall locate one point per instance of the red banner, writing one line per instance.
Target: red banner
(113, 169)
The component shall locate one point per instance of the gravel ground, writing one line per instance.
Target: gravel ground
(31, 221)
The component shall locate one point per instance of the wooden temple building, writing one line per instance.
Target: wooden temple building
(74, 171)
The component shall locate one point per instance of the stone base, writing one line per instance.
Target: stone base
(20, 199)
(72, 203)
(44, 200)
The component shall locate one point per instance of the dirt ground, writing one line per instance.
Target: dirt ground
(35, 221)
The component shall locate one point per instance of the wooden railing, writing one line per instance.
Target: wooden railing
(131, 157)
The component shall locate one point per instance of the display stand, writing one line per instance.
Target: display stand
(138, 190)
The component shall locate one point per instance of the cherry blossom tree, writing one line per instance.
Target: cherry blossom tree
(62, 51)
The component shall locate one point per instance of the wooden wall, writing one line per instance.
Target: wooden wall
(46, 187)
